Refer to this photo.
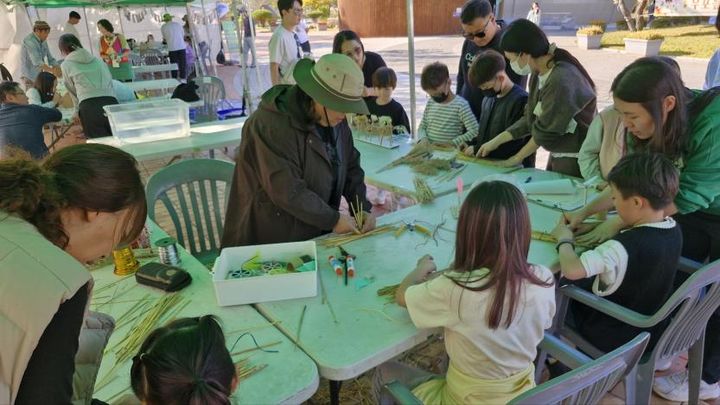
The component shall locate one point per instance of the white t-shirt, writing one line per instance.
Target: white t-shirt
(70, 29)
(174, 35)
(474, 348)
(301, 32)
(285, 51)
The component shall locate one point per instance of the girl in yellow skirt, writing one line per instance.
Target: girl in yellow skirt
(492, 304)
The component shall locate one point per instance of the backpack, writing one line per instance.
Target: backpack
(186, 92)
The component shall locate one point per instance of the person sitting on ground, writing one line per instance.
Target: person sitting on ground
(384, 83)
(44, 91)
(492, 304)
(447, 118)
(184, 362)
(503, 103)
(349, 44)
(21, 124)
(643, 257)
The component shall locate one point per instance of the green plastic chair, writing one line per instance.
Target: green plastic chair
(189, 192)
(690, 307)
(585, 385)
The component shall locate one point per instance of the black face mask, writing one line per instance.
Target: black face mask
(440, 98)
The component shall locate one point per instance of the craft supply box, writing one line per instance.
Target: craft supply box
(251, 290)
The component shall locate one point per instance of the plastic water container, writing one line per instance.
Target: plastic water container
(149, 121)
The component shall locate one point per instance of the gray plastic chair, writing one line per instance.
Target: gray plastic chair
(212, 91)
(585, 385)
(153, 57)
(189, 192)
(690, 307)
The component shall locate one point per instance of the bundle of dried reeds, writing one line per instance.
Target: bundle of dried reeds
(388, 292)
(423, 192)
(335, 241)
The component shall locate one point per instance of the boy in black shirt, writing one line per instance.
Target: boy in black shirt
(636, 268)
(503, 103)
(384, 81)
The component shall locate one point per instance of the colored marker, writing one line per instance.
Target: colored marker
(336, 265)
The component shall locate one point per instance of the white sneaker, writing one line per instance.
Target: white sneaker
(675, 387)
(663, 364)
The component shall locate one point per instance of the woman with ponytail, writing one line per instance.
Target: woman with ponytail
(184, 363)
(89, 82)
(561, 104)
(73, 208)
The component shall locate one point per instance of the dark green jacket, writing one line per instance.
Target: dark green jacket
(283, 177)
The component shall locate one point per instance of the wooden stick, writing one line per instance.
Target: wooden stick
(302, 317)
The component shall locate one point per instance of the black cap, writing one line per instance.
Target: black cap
(74, 14)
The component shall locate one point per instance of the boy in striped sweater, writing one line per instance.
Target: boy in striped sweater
(448, 118)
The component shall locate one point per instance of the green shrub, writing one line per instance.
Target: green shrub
(599, 23)
(590, 30)
(621, 25)
(647, 35)
(262, 16)
(315, 14)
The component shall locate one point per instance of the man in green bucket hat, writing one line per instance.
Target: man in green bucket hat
(297, 159)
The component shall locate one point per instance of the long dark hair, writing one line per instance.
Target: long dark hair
(523, 36)
(343, 36)
(494, 232)
(648, 81)
(68, 43)
(92, 177)
(185, 362)
(45, 85)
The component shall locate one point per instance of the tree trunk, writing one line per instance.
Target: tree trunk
(640, 20)
(625, 13)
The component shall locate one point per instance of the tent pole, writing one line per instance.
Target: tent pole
(245, 83)
(87, 28)
(252, 44)
(411, 61)
(209, 40)
(122, 26)
(193, 40)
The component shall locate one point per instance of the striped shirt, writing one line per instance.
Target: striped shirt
(452, 123)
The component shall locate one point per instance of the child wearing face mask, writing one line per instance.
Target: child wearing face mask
(447, 119)
(503, 104)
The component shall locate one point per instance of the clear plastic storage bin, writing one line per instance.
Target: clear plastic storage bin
(149, 121)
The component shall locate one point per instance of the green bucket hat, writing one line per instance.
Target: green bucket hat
(335, 81)
(167, 17)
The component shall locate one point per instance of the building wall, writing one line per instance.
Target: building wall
(387, 18)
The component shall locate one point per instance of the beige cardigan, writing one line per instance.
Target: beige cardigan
(35, 278)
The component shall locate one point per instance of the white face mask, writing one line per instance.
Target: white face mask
(522, 71)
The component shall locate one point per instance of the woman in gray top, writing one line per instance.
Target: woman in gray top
(561, 104)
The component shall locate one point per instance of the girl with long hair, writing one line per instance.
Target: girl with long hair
(493, 305)
(561, 103)
(44, 91)
(55, 216)
(662, 116)
(184, 363)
